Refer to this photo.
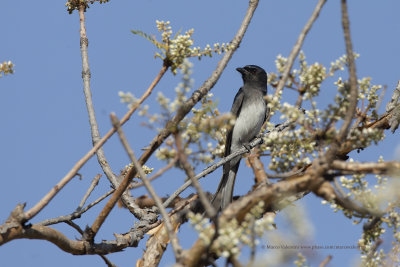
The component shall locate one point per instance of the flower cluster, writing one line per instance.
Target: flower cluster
(75, 4)
(174, 49)
(231, 234)
(6, 68)
(128, 167)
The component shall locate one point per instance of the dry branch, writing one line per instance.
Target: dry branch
(168, 225)
(209, 209)
(159, 239)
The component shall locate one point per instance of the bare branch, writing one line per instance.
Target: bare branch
(299, 43)
(209, 209)
(107, 261)
(170, 229)
(391, 168)
(159, 239)
(353, 75)
(75, 226)
(91, 232)
(258, 168)
(89, 191)
(77, 213)
(325, 261)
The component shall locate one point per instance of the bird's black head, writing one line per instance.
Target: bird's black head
(253, 74)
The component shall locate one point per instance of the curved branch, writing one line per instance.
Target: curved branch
(76, 247)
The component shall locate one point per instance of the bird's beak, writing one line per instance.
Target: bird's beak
(241, 70)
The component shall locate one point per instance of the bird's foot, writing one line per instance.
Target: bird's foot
(261, 135)
(247, 146)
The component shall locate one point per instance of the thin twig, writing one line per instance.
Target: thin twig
(325, 261)
(171, 233)
(94, 183)
(76, 214)
(299, 43)
(75, 226)
(107, 261)
(352, 73)
(205, 201)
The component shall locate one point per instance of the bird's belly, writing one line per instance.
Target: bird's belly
(248, 124)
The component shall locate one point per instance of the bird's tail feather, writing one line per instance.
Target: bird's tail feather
(223, 196)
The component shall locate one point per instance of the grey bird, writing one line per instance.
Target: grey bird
(250, 110)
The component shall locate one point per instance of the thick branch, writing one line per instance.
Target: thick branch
(159, 239)
(391, 168)
(76, 247)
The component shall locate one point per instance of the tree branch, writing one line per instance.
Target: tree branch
(94, 183)
(209, 209)
(170, 229)
(353, 75)
(390, 168)
(77, 213)
(159, 239)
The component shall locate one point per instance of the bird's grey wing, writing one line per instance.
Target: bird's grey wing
(235, 110)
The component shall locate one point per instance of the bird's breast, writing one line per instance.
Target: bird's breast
(248, 123)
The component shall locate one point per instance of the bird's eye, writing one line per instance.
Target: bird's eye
(251, 70)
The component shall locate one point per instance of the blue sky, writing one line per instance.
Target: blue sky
(44, 122)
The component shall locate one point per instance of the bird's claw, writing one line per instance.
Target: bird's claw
(247, 146)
